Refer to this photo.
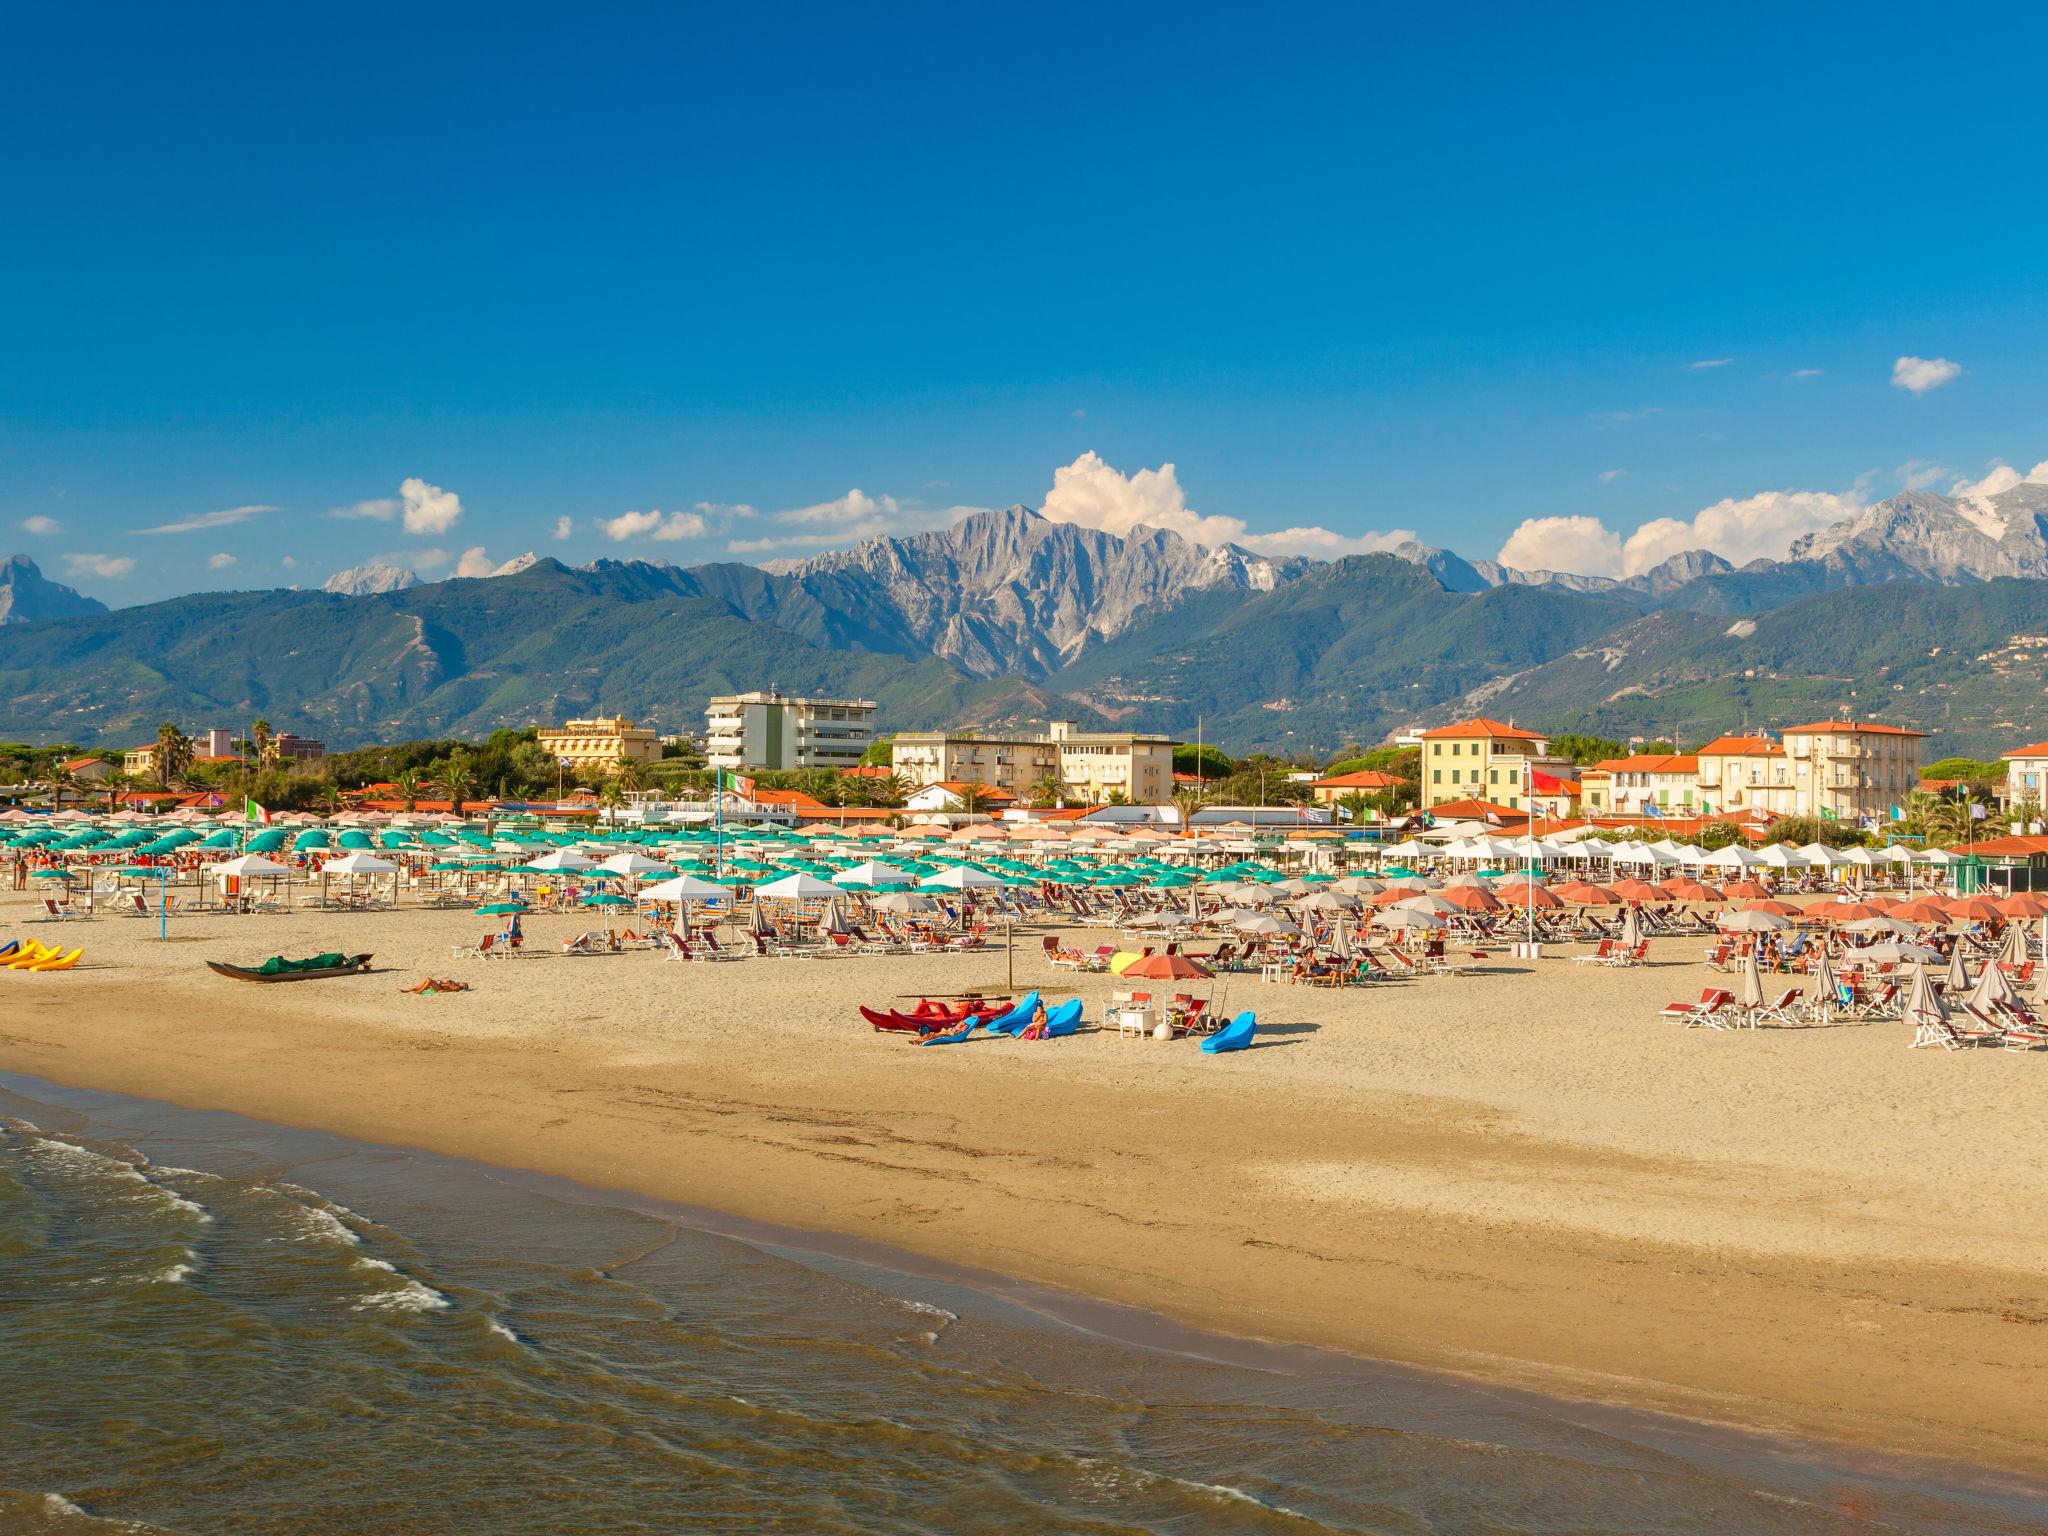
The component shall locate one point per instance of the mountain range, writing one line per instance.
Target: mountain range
(1923, 610)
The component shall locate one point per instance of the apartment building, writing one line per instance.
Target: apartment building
(2026, 776)
(599, 742)
(1485, 760)
(1090, 766)
(1747, 773)
(1842, 770)
(1652, 784)
(767, 729)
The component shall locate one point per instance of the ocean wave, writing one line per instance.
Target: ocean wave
(85, 1158)
(318, 1224)
(926, 1309)
(408, 1296)
(177, 1274)
(502, 1331)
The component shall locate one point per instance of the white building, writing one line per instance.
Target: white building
(766, 729)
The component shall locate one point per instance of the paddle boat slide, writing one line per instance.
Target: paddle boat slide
(1234, 1036)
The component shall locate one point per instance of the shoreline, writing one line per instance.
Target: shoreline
(1501, 1198)
(1714, 1441)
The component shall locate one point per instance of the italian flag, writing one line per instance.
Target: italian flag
(251, 811)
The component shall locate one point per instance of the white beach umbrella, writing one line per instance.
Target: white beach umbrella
(902, 901)
(1408, 917)
(875, 872)
(247, 865)
(1734, 856)
(686, 888)
(561, 861)
(798, 887)
(630, 864)
(1264, 924)
(1892, 951)
(1824, 984)
(961, 877)
(1777, 856)
(1427, 902)
(359, 863)
(1753, 922)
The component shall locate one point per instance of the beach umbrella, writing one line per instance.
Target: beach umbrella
(631, 865)
(1824, 984)
(561, 861)
(1523, 892)
(2023, 904)
(1581, 893)
(902, 901)
(1752, 993)
(1993, 992)
(1892, 951)
(1974, 909)
(1843, 913)
(359, 863)
(1745, 890)
(1261, 923)
(686, 888)
(1632, 927)
(1780, 908)
(873, 872)
(2012, 949)
(1924, 910)
(1691, 890)
(500, 908)
(51, 874)
(1404, 917)
(1752, 922)
(606, 899)
(1923, 1002)
(1465, 898)
(961, 877)
(1957, 978)
(1429, 901)
(247, 865)
(1636, 890)
(799, 887)
(1877, 922)
(1326, 901)
(1167, 967)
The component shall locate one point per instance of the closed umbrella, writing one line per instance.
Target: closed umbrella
(1752, 995)
(1631, 927)
(1993, 992)
(2012, 949)
(1824, 986)
(1957, 978)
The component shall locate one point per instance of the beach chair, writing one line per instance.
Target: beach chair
(1784, 1009)
(472, 951)
(1061, 959)
(673, 948)
(58, 911)
(1706, 1013)
(1976, 1027)
(1722, 956)
(1880, 1003)
(133, 904)
(1625, 955)
(1932, 1029)
(1599, 956)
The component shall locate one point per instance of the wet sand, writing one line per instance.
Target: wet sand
(1521, 1175)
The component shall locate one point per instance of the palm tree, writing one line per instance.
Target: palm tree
(173, 754)
(113, 784)
(1356, 806)
(408, 786)
(458, 779)
(60, 781)
(1187, 802)
(610, 793)
(1048, 792)
(630, 774)
(973, 798)
(262, 742)
(890, 792)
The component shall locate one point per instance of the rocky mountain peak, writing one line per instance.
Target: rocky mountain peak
(370, 579)
(26, 595)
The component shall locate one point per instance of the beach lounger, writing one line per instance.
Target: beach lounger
(1932, 1029)
(1599, 956)
(58, 911)
(1784, 1009)
(1712, 1004)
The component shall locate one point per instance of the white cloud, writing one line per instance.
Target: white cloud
(226, 518)
(1609, 476)
(1753, 528)
(1807, 373)
(2000, 478)
(1623, 418)
(563, 527)
(219, 562)
(40, 525)
(475, 562)
(289, 562)
(1918, 474)
(1322, 544)
(1094, 493)
(1709, 362)
(107, 567)
(381, 510)
(1581, 544)
(1920, 374)
(663, 527)
(428, 508)
(845, 519)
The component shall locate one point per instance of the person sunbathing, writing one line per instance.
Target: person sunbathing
(1035, 1030)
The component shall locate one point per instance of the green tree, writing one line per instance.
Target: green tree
(1048, 792)
(60, 781)
(408, 786)
(1583, 749)
(891, 792)
(1356, 806)
(973, 798)
(173, 754)
(262, 742)
(458, 778)
(629, 774)
(1208, 762)
(880, 753)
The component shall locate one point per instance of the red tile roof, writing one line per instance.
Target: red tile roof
(1848, 728)
(1654, 763)
(1479, 725)
(1364, 778)
(1740, 746)
(2031, 749)
(1475, 810)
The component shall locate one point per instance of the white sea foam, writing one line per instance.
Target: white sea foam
(503, 1332)
(926, 1309)
(177, 1274)
(317, 1224)
(57, 1504)
(409, 1296)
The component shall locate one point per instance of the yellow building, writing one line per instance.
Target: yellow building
(1842, 771)
(1667, 783)
(2026, 777)
(1480, 759)
(1089, 765)
(600, 742)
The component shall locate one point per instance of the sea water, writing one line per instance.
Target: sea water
(209, 1325)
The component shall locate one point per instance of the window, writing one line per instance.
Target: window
(1436, 775)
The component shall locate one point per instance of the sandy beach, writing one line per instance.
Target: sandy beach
(1522, 1174)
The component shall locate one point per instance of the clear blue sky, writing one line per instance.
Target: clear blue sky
(1357, 268)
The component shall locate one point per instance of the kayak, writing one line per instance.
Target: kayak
(278, 968)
